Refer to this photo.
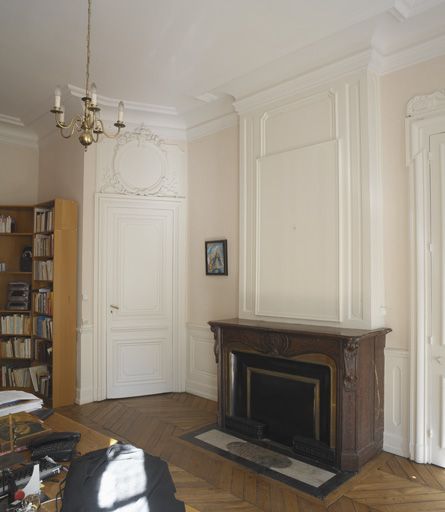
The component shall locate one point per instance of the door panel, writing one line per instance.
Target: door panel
(139, 295)
(437, 306)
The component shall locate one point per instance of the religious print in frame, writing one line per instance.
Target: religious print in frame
(216, 257)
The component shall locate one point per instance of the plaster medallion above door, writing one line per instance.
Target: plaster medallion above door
(139, 163)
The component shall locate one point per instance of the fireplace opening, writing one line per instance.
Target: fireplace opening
(285, 401)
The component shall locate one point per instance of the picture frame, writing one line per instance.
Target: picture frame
(216, 258)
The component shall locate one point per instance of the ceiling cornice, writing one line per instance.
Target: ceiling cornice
(16, 121)
(310, 80)
(385, 64)
(17, 136)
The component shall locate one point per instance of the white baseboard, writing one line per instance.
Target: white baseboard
(201, 376)
(396, 435)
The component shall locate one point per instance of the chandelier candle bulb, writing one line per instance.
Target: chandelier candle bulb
(93, 94)
(62, 114)
(120, 112)
(57, 96)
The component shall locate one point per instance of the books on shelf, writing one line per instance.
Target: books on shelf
(15, 324)
(7, 224)
(43, 270)
(43, 327)
(20, 348)
(43, 351)
(43, 220)
(44, 245)
(40, 378)
(43, 301)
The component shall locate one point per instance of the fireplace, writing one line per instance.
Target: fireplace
(312, 391)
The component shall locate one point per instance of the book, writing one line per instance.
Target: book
(18, 401)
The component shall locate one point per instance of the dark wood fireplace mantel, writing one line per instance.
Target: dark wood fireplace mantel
(359, 361)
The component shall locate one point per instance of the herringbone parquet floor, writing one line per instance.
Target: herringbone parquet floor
(213, 484)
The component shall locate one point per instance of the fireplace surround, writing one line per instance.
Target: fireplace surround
(311, 390)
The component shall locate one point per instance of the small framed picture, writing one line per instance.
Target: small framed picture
(216, 258)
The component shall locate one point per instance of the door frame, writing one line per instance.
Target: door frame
(177, 206)
(425, 117)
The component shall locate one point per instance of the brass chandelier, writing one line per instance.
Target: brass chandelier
(88, 125)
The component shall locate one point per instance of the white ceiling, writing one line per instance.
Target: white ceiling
(169, 52)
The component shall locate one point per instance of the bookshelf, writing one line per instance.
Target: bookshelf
(38, 341)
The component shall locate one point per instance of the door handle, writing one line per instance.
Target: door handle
(112, 306)
(439, 359)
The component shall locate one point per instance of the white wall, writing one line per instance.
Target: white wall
(19, 172)
(213, 185)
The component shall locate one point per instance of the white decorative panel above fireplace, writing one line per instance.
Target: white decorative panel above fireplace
(310, 232)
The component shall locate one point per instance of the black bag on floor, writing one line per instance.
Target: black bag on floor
(121, 477)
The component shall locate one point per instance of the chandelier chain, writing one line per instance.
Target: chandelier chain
(88, 49)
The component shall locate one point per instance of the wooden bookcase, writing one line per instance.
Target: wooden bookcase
(50, 229)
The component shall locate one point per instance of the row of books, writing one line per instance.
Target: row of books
(43, 270)
(36, 377)
(44, 245)
(26, 348)
(43, 220)
(16, 347)
(43, 301)
(15, 324)
(7, 224)
(43, 327)
(15, 377)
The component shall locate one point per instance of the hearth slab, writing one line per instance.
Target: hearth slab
(309, 478)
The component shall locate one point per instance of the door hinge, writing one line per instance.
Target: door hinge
(430, 340)
(430, 156)
(429, 434)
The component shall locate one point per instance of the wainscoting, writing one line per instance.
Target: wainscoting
(201, 366)
(201, 381)
(396, 435)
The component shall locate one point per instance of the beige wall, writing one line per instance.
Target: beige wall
(19, 172)
(61, 169)
(213, 214)
(396, 90)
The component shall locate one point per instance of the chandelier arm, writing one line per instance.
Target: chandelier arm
(111, 135)
(74, 124)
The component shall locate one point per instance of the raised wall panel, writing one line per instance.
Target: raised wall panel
(395, 439)
(354, 217)
(201, 366)
(302, 123)
(298, 231)
(310, 222)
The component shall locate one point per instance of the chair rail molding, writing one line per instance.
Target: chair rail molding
(425, 117)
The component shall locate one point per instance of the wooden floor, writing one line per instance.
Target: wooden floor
(211, 483)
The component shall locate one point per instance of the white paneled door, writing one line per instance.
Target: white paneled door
(139, 298)
(437, 307)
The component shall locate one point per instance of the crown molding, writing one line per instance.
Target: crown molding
(18, 136)
(212, 126)
(385, 64)
(106, 101)
(16, 121)
(312, 79)
(405, 9)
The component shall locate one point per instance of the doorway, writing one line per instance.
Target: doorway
(140, 289)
